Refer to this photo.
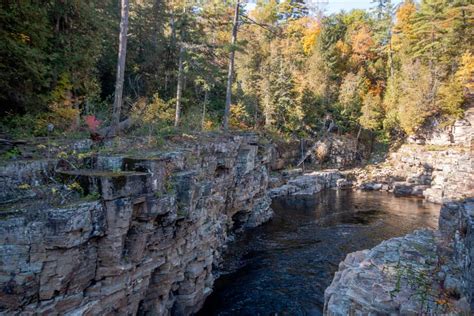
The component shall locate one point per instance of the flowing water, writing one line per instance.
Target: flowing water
(284, 266)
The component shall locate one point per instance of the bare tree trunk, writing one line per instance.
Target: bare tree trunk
(358, 137)
(204, 105)
(120, 65)
(179, 89)
(390, 53)
(230, 74)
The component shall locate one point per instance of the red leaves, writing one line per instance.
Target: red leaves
(92, 123)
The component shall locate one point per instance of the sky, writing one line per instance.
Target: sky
(334, 6)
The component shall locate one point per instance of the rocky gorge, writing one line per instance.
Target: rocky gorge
(146, 231)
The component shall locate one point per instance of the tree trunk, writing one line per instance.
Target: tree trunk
(230, 74)
(120, 65)
(204, 105)
(179, 89)
(358, 137)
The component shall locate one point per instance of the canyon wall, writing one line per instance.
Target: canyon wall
(136, 233)
(437, 164)
(145, 238)
(439, 174)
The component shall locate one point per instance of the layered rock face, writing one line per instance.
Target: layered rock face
(148, 245)
(437, 164)
(424, 273)
(438, 174)
(460, 133)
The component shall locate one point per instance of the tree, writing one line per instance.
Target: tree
(179, 89)
(230, 74)
(292, 10)
(120, 65)
(372, 115)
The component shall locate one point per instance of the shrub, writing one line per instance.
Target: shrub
(322, 152)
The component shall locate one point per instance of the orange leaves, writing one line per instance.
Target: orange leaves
(362, 44)
(403, 28)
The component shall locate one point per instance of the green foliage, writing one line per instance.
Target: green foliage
(371, 117)
(386, 71)
(44, 42)
(451, 95)
(12, 154)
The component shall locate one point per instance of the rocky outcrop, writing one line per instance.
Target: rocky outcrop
(439, 174)
(436, 164)
(330, 151)
(460, 133)
(427, 272)
(344, 151)
(285, 154)
(144, 239)
(309, 183)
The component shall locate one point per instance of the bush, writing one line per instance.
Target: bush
(322, 152)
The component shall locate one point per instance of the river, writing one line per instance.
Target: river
(284, 266)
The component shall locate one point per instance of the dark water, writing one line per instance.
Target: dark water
(284, 266)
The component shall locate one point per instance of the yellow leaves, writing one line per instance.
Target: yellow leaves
(208, 125)
(64, 115)
(451, 93)
(81, 156)
(239, 117)
(403, 28)
(307, 29)
(157, 110)
(372, 111)
(24, 186)
(23, 38)
(310, 37)
(64, 112)
(266, 12)
(75, 186)
(62, 155)
(343, 48)
(451, 98)
(465, 73)
(404, 15)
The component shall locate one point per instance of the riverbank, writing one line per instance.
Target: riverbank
(425, 272)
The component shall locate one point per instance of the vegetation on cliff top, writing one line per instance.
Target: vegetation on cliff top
(296, 70)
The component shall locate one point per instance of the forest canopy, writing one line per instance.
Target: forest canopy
(387, 70)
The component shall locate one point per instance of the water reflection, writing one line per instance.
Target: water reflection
(284, 266)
